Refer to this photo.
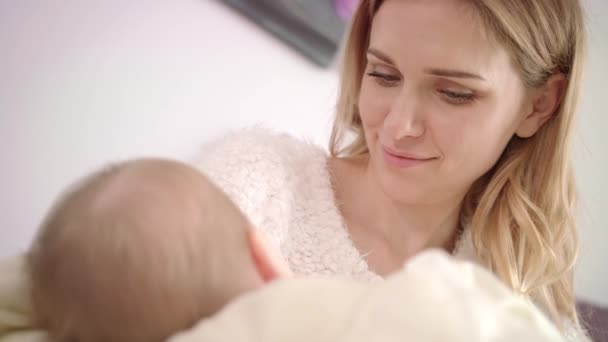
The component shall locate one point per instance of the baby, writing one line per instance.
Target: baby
(150, 250)
(141, 250)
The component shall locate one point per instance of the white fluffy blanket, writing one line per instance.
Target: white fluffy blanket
(434, 298)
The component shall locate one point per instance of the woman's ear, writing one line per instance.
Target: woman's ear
(267, 260)
(545, 102)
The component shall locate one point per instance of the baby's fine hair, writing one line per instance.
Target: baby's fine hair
(136, 252)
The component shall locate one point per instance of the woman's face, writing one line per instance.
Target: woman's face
(438, 100)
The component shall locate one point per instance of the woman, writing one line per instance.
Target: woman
(453, 131)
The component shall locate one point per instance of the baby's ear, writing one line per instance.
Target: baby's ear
(268, 261)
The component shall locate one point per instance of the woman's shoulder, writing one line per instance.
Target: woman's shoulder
(256, 150)
(465, 250)
(264, 172)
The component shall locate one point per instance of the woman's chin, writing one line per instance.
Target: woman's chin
(405, 190)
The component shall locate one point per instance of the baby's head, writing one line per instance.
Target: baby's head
(139, 251)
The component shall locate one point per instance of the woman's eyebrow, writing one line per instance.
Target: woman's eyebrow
(433, 71)
(453, 73)
(380, 55)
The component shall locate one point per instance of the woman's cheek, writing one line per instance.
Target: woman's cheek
(374, 105)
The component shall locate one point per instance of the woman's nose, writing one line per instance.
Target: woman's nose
(405, 118)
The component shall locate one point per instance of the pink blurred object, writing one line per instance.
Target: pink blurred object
(345, 8)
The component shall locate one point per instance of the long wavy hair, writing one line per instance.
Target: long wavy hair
(522, 212)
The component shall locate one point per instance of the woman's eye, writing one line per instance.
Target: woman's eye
(455, 97)
(384, 79)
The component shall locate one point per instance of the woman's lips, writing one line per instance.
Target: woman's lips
(403, 160)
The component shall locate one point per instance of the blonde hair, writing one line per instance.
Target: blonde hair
(522, 212)
(137, 252)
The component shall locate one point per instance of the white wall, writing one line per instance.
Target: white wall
(591, 160)
(84, 82)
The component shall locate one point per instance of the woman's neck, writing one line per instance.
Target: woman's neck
(404, 228)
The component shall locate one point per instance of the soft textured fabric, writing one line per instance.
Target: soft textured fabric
(474, 306)
(283, 185)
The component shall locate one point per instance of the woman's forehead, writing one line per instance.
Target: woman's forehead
(433, 34)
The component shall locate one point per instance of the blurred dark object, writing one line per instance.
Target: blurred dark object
(595, 319)
(313, 27)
